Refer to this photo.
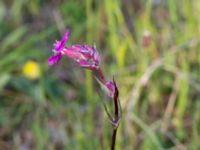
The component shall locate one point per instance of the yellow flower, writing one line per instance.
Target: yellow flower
(31, 70)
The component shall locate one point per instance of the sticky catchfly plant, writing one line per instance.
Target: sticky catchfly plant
(87, 57)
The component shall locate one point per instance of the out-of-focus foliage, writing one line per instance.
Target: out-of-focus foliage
(152, 47)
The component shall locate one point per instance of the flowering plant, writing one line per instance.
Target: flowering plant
(88, 57)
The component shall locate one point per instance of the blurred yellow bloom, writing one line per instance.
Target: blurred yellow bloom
(31, 70)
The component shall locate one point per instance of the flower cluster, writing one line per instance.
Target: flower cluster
(84, 55)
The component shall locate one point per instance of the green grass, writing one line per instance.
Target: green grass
(158, 74)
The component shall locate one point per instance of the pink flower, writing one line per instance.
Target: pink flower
(86, 56)
(59, 46)
(110, 87)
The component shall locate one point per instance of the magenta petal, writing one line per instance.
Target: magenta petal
(59, 45)
(54, 59)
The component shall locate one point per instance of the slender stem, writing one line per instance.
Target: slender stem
(117, 117)
(113, 139)
(116, 109)
(100, 76)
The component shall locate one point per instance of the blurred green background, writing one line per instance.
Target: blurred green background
(151, 47)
